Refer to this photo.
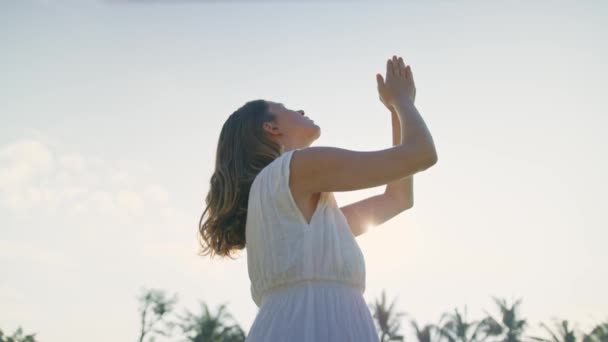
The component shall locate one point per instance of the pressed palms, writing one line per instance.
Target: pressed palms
(208, 327)
(564, 333)
(387, 319)
(455, 328)
(510, 326)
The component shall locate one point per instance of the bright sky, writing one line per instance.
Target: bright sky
(111, 111)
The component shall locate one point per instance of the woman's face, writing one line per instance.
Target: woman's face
(292, 128)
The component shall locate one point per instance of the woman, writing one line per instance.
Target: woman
(274, 193)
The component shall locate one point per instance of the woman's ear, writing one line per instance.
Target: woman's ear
(271, 129)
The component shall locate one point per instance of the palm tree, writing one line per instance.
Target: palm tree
(510, 326)
(598, 334)
(17, 337)
(155, 306)
(208, 327)
(428, 333)
(455, 328)
(564, 333)
(387, 320)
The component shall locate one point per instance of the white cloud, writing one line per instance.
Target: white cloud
(15, 251)
(103, 201)
(21, 161)
(32, 176)
(156, 193)
(130, 200)
(73, 162)
(27, 151)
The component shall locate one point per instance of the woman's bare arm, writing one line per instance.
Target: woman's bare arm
(326, 169)
(376, 210)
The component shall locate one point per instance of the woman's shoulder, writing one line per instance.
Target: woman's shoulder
(271, 175)
(279, 164)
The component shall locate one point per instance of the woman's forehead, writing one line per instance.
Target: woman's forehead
(277, 105)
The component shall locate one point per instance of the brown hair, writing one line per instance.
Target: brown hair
(243, 150)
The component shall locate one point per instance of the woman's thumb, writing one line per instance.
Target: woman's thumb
(380, 81)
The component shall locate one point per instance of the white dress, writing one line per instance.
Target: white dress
(307, 278)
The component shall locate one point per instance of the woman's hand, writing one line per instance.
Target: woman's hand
(399, 84)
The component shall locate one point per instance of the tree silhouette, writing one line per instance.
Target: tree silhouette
(387, 320)
(510, 326)
(455, 327)
(564, 333)
(154, 308)
(428, 333)
(598, 334)
(208, 327)
(17, 337)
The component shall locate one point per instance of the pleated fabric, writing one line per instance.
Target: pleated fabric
(307, 278)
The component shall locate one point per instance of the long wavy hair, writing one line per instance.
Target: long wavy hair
(243, 150)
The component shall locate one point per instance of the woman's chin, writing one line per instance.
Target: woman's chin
(318, 132)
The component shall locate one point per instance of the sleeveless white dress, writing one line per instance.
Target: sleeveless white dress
(307, 278)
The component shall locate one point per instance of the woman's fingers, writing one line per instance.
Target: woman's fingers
(389, 70)
(395, 64)
(402, 67)
(396, 67)
(409, 73)
(399, 81)
(380, 81)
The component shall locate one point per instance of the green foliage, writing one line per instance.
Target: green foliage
(208, 327)
(428, 333)
(598, 334)
(155, 306)
(563, 333)
(387, 319)
(510, 326)
(18, 336)
(455, 327)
